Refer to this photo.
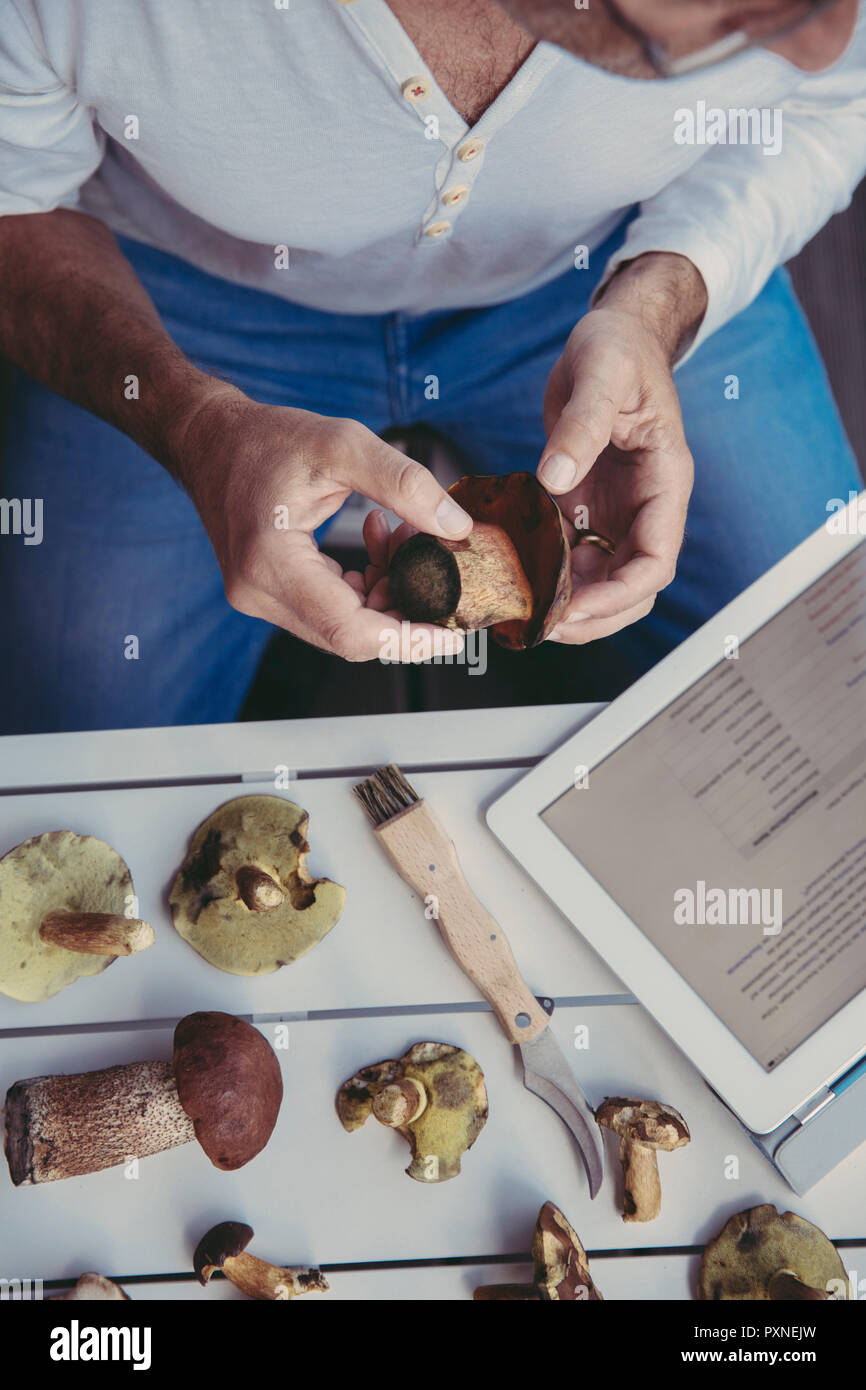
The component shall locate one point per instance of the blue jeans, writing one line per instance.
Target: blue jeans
(124, 555)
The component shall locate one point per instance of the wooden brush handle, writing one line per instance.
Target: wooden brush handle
(427, 860)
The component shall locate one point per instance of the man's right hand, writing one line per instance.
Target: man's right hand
(264, 478)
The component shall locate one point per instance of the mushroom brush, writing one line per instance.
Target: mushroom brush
(434, 1095)
(561, 1273)
(223, 1087)
(243, 897)
(225, 1248)
(63, 904)
(512, 573)
(645, 1128)
(759, 1254)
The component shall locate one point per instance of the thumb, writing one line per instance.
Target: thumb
(580, 433)
(386, 476)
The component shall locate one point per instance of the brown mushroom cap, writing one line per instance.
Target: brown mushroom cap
(561, 1265)
(243, 897)
(648, 1123)
(229, 1083)
(520, 506)
(222, 1242)
(757, 1244)
(452, 1119)
(56, 871)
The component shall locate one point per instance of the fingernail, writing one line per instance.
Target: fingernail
(450, 517)
(558, 471)
(577, 617)
(555, 635)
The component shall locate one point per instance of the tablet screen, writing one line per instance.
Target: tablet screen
(732, 827)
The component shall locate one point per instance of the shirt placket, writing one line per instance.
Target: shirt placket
(465, 146)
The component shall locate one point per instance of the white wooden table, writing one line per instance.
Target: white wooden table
(380, 981)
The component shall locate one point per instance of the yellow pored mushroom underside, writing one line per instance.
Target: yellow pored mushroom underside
(243, 897)
(55, 872)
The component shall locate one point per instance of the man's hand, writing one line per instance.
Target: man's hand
(265, 477)
(616, 456)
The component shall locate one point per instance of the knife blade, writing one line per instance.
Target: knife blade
(426, 859)
(547, 1074)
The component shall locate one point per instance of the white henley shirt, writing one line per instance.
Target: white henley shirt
(224, 130)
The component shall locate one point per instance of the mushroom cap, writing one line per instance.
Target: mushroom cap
(222, 1242)
(229, 1083)
(453, 1118)
(266, 833)
(561, 1266)
(647, 1122)
(92, 1286)
(57, 871)
(756, 1244)
(531, 518)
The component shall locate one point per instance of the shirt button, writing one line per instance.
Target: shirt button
(471, 150)
(455, 196)
(437, 229)
(416, 89)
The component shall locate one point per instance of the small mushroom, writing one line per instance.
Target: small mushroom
(63, 900)
(223, 1087)
(92, 1286)
(512, 573)
(644, 1127)
(243, 897)
(759, 1254)
(561, 1267)
(225, 1247)
(434, 1095)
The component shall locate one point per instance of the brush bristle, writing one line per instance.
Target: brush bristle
(385, 793)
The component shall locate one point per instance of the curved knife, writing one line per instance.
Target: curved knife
(426, 859)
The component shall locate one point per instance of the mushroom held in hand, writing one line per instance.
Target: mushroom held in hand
(644, 1127)
(762, 1255)
(512, 573)
(225, 1247)
(223, 1088)
(434, 1096)
(561, 1267)
(92, 1287)
(63, 899)
(243, 897)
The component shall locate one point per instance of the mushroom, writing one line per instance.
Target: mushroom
(225, 1247)
(561, 1267)
(434, 1095)
(759, 1254)
(243, 897)
(644, 1127)
(223, 1088)
(62, 913)
(512, 573)
(92, 1286)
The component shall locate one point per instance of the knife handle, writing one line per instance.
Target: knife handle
(426, 859)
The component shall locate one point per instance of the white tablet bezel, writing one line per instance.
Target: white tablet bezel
(763, 1100)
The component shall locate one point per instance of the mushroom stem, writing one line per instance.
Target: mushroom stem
(785, 1285)
(257, 889)
(642, 1189)
(259, 1279)
(493, 585)
(96, 933)
(400, 1103)
(66, 1126)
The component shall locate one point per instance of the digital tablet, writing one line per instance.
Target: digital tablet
(706, 832)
